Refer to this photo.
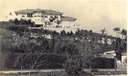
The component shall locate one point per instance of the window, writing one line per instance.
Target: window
(29, 15)
(39, 15)
(56, 16)
(38, 12)
(46, 16)
(23, 16)
(51, 16)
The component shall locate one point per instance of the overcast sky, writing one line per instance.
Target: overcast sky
(91, 14)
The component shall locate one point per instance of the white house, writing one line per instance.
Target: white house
(48, 19)
(41, 16)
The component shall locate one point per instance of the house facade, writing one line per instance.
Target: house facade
(48, 19)
(45, 17)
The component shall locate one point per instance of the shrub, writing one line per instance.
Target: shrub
(73, 66)
(16, 21)
(46, 61)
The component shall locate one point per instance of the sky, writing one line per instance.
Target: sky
(91, 14)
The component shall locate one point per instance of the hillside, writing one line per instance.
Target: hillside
(23, 46)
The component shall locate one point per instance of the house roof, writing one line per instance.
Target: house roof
(49, 12)
(52, 12)
(108, 55)
(124, 54)
(109, 52)
(66, 18)
(23, 11)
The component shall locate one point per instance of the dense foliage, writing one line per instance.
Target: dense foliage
(23, 46)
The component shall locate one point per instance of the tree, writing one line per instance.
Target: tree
(116, 29)
(54, 33)
(103, 34)
(63, 33)
(71, 33)
(90, 31)
(23, 22)
(74, 67)
(16, 21)
(92, 53)
(124, 33)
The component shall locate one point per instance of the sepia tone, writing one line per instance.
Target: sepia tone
(63, 38)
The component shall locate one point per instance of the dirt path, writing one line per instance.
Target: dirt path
(54, 70)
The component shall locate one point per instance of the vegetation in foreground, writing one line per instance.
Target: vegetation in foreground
(31, 49)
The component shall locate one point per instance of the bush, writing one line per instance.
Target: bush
(46, 61)
(18, 28)
(16, 21)
(73, 66)
(23, 22)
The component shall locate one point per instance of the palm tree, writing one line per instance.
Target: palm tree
(116, 29)
(103, 34)
(103, 31)
(123, 33)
